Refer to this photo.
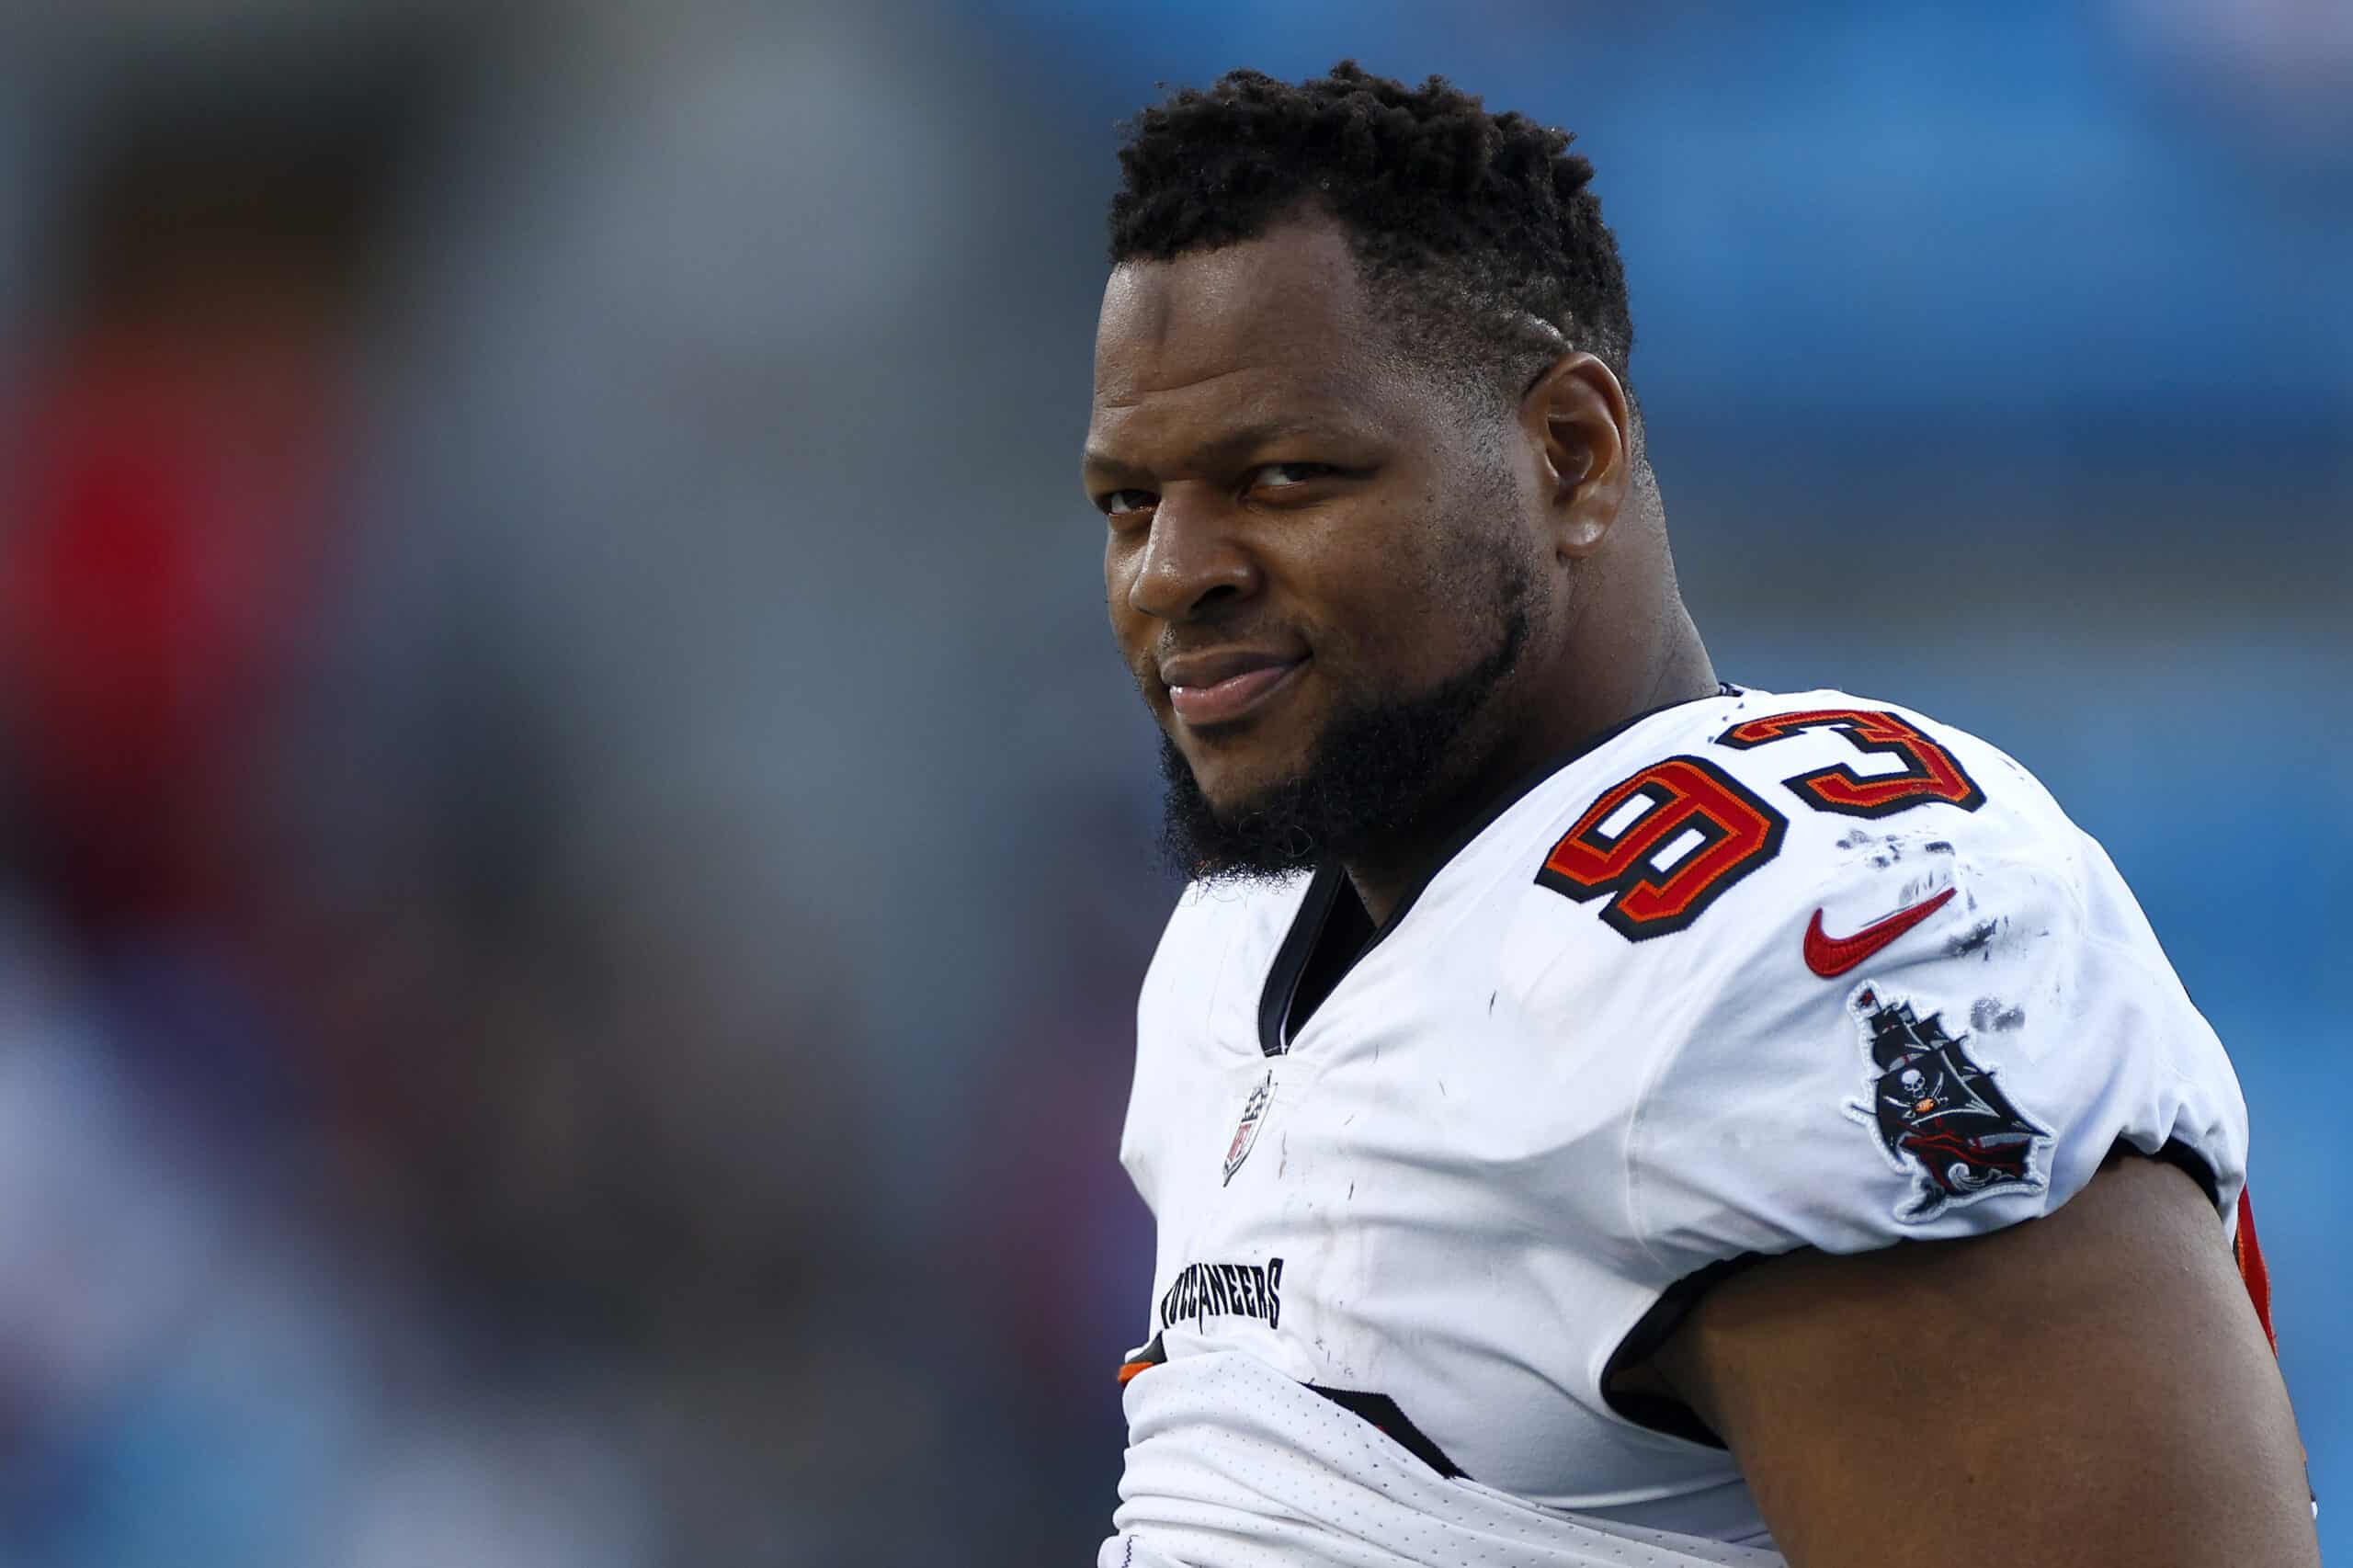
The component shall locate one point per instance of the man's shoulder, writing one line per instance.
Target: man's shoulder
(1833, 752)
(1718, 816)
(1817, 928)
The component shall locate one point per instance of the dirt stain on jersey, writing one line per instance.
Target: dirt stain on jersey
(1976, 939)
(1990, 1013)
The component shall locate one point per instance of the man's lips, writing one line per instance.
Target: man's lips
(1219, 688)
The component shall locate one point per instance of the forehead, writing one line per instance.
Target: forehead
(1272, 328)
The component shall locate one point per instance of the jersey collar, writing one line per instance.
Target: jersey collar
(1330, 883)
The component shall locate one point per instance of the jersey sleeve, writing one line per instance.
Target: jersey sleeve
(1943, 1030)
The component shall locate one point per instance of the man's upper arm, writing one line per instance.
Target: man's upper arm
(1877, 1151)
(2088, 1388)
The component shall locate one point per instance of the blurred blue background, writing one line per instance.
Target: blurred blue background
(574, 856)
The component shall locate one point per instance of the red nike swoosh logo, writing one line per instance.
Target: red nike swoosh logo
(1831, 957)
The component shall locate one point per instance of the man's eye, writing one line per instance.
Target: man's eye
(1282, 476)
(1125, 503)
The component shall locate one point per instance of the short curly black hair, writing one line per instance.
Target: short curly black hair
(1472, 222)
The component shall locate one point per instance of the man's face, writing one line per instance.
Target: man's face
(1317, 558)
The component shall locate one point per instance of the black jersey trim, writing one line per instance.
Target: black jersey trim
(1658, 1412)
(2183, 1158)
(1662, 1413)
(1299, 943)
(1382, 1412)
(1291, 959)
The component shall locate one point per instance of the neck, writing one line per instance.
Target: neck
(1557, 718)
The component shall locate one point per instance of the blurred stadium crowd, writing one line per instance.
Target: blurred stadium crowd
(572, 854)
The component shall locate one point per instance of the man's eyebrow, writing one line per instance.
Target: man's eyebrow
(1095, 460)
(1224, 446)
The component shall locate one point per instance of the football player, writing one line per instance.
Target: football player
(1596, 1113)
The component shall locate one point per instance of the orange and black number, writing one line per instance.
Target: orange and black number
(1930, 773)
(1663, 845)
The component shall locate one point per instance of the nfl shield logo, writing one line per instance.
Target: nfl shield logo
(1254, 1116)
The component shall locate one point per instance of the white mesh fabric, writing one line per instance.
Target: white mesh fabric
(1230, 1464)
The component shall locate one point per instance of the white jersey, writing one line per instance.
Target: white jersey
(1751, 973)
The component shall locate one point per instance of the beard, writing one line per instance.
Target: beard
(1376, 773)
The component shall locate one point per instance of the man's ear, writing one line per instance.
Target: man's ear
(1576, 417)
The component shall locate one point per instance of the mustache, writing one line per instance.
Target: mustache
(1176, 642)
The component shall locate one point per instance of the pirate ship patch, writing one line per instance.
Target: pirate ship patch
(1939, 1114)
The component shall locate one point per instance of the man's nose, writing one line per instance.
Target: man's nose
(1194, 559)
